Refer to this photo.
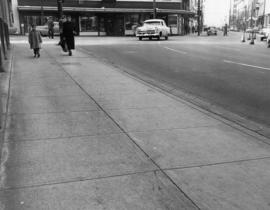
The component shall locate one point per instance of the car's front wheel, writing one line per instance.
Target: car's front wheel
(160, 35)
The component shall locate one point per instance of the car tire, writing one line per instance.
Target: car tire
(160, 35)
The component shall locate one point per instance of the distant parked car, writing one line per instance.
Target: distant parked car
(263, 33)
(153, 28)
(211, 31)
(44, 29)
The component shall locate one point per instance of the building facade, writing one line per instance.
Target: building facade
(5, 22)
(250, 13)
(194, 8)
(106, 17)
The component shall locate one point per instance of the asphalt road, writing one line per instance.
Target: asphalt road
(220, 70)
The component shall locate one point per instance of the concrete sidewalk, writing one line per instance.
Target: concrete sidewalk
(80, 134)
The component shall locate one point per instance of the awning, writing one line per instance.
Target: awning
(103, 10)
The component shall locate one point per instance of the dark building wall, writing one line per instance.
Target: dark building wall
(98, 4)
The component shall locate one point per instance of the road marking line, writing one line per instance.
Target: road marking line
(178, 51)
(243, 64)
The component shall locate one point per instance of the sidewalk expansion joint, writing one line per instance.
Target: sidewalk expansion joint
(59, 112)
(76, 180)
(126, 133)
(217, 164)
(60, 138)
(171, 129)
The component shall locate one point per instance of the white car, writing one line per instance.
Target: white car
(153, 28)
(263, 33)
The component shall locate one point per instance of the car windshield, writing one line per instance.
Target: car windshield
(153, 23)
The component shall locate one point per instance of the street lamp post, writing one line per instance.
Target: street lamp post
(154, 9)
(244, 25)
(251, 23)
(199, 17)
(263, 13)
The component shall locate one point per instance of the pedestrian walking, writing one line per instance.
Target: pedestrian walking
(68, 35)
(225, 30)
(50, 28)
(35, 41)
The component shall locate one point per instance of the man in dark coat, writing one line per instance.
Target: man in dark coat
(225, 32)
(68, 34)
(61, 22)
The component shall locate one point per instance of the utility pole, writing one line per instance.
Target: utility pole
(60, 8)
(263, 13)
(42, 12)
(251, 22)
(199, 17)
(154, 9)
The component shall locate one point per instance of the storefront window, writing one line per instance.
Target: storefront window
(102, 25)
(89, 24)
(132, 21)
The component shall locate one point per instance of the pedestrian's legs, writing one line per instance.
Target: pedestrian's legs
(38, 54)
(61, 39)
(35, 52)
(69, 51)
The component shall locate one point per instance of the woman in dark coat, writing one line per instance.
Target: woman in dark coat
(34, 39)
(68, 34)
